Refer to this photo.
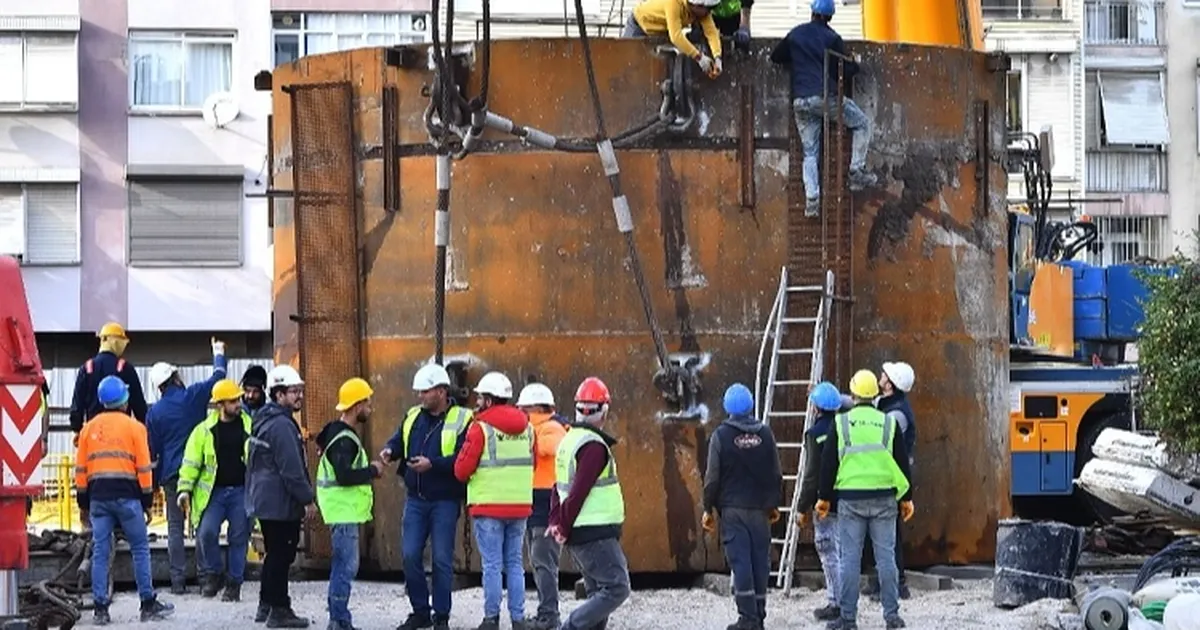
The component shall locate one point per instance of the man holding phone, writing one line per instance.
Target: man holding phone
(428, 440)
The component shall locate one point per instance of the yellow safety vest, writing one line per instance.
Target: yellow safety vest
(864, 441)
(457, 419)
(343, 504)
(198, 470)
(605, 505)
(505, 472)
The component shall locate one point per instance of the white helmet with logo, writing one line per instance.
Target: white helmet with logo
(283, 376)
(536, 394)
(496, 385)
(900, 374)
(161, 372)
(429, 376)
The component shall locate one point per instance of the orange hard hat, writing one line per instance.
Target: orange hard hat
(592, 390)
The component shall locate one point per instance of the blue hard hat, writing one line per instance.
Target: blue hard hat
(113, 392)
(826, 396)
(738, 400)
(822, 7)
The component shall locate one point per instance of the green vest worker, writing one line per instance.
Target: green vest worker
(496, 463)
(344, 493)
(212, 489)
(864, 468)
(588, 509)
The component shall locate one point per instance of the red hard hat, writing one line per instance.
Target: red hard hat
(592, 390)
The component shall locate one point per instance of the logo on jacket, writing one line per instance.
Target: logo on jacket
(747, 441)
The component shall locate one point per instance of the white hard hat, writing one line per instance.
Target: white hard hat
(283, 376)
(536, 394)
(705, 3)
(429, 376)
(900, 374)
(496, 385)
(161, 373)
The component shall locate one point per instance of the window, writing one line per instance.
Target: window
(185, 222)
(1016, 102)
(177, 71)
(1122, 22)
(300, 34)
(1127, 108)
(1022, 9)
(40, 70)
(1128, 239)
(39, 223)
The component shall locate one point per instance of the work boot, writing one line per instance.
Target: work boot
(154, 610)
(178, 587)
(895, 622)
(872, 588)
(100, 616)
(543, 622)
(489, 623)
(519, 624)
(232, 593)
(441, 624)
(262, 613)
(340, 625)
(284, 617)
(212, 586)
(904, 592)
(842, 624)
(861, 179)
(415, 622)
(744, 623)
(812, 207)
(828, 613)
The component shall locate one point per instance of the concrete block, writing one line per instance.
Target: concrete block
(928, 582)
(964, 572)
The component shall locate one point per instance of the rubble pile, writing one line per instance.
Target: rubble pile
(1136, 474)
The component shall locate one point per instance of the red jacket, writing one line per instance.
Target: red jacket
(506, 419)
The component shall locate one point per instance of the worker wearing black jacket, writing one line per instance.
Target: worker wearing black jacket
(107, 362)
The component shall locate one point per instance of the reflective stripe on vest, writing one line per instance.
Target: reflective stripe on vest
(505, 472)
(198, 469)
(456, 421)
(89, 366)
(864, 439)
(605, 505)
(343, 504)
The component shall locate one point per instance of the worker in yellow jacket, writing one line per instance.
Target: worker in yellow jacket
(670, 18)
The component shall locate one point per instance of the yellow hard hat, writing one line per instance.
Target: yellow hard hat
(225, 389)
(864, 384)
(353, 392)
(112, 329)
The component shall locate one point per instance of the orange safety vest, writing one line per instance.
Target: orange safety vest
(113, 446)
(549, 433)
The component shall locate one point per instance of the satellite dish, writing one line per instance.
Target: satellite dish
(219, 109)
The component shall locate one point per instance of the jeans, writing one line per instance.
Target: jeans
(746, 537)
(227, 504)
(280, 538)
(343, 568)
(105, 516)
(810, 120)
(606, 579)
(544, 554)
(825, 538)
(500, 542)
(429, 521)
(176, 522)
(857, 518)
(632, 28)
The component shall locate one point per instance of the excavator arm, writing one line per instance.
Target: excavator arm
(955, 23)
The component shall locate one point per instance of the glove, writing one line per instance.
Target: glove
(706, 64)
(708, 522)
(773, 516)
(183, 501)
(742, 37)
(218, 347)
(907, 510)
(717, 67)
(802, 519)
(822, 508)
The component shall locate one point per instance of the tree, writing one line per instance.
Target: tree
(1169, 353)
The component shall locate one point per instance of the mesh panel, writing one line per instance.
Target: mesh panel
(326, 256)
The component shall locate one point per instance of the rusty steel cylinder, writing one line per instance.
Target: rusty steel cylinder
(539, 284)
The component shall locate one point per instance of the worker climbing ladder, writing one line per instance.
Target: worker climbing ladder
(790, 373)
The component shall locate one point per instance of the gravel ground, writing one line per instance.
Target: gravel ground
(382, 606)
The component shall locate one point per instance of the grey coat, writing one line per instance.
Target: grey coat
(277, 486)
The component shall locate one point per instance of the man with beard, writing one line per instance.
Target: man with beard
(254, 379)
(344, 492)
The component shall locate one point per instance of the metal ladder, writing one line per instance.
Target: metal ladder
(774, 333)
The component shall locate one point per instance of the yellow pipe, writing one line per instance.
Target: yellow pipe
(954, 23)
(879, 20)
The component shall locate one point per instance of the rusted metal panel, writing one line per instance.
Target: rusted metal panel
(538, 282)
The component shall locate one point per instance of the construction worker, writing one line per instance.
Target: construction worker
(107, 362)
(114, 488)
(537, 401)
(170, 422)
(895, 381)
(278, 493)
(743, 484)
(654, 18)
(254, 379)
(804, 49)
(864, 468)
(427, 442)
(212, 490)
(496, 463)
(828, 401)
(587, 509)
(732, 18)
(344, 493)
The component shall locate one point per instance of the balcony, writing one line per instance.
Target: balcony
(1123, 22)
(1126, 170)
(1022, 9)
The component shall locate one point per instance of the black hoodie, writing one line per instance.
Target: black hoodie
(341, 457)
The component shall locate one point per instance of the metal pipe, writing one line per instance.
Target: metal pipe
(441, 240)
(8, 594)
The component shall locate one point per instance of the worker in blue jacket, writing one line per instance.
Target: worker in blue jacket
(170, 421)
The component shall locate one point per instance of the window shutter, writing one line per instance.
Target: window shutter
(185, 222)
(53, 224)
(12, 68)
(12, 220)
(51, 69)
(1091, 114)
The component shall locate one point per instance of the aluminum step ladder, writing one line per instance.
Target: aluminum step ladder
(778, 324)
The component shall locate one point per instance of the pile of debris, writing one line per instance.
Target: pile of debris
(1137, 475)
(1137, 535)
(60, 601)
